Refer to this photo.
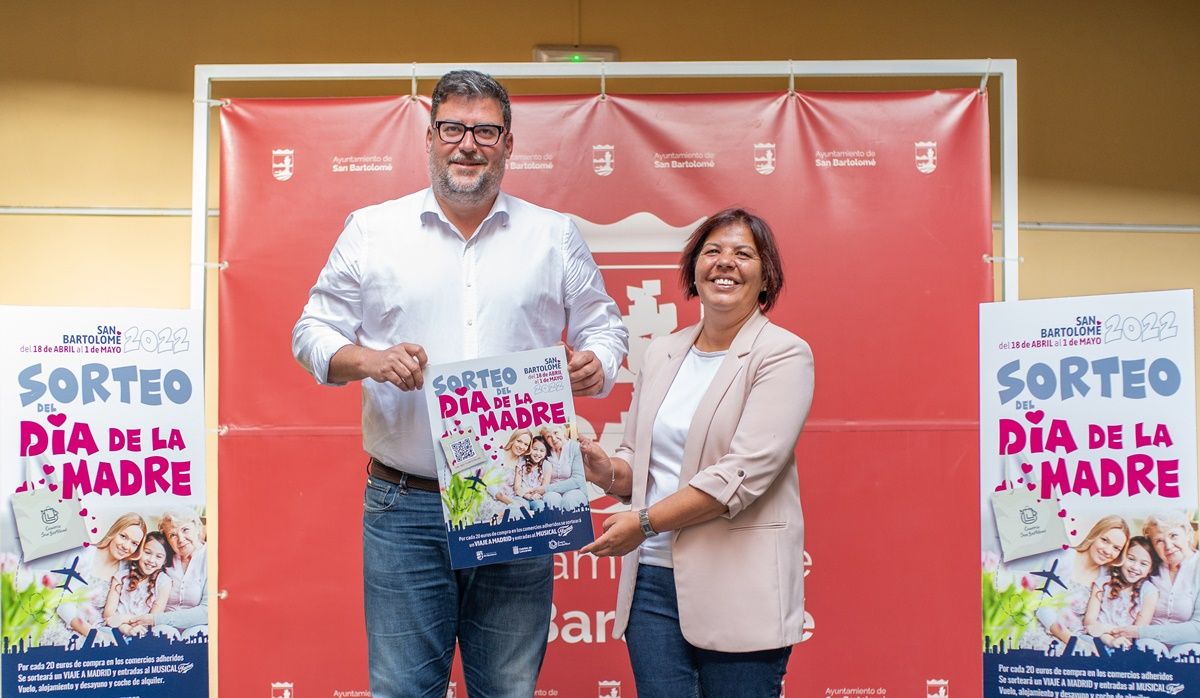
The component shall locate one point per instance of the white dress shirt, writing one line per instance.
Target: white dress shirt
(401, 272)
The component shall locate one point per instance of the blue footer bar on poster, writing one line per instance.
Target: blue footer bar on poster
(1123, 674)
(143, 667)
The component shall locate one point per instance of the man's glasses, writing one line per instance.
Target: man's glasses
(454, 132)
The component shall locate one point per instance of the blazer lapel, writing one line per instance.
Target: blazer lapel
(731, 365)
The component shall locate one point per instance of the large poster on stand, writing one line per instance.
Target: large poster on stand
(104, 560)
(1088, 496)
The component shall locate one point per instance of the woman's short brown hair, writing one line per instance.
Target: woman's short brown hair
(764, 240)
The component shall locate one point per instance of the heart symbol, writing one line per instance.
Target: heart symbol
(57, 419)
(95, 530)
(83, 512)
(1031, 486)
(1073, 531)
(486, 447)
(1027, 467)
(1020, 479)
(493, 456)
(461, 391)
(87, 544)
(1062, 513)
(24, 487)
(445, 434)
(53, 487)
(457, 422)
(1034, 416)
(1001, 487)
(47, 468)
(42, 481)
(1065, 546)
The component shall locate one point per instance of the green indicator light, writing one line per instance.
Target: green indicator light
(577, 57)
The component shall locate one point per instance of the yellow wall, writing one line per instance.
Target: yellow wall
(95, 110)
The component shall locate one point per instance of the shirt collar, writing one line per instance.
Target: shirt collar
(499, 210)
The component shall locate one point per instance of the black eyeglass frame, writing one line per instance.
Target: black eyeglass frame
(437, 126)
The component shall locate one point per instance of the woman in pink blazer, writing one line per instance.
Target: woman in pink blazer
(711, 597)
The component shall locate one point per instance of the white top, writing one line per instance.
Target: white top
(1122, 610)
(1171, 627)
(187, 604)
(1177, 600)
(401, 272)
(139, 601)
(668, 437)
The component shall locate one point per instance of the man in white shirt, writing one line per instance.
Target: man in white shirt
(457, 271)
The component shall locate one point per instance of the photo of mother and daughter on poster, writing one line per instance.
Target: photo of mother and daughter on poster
(142, 575)
(534, 470)
(1129, 583)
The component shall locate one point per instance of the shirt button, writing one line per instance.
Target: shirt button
(741, 473)
(470, 322)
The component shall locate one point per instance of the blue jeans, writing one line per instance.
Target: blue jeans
(665, 665)
(417, 607)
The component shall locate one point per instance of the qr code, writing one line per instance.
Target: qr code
(462, 449)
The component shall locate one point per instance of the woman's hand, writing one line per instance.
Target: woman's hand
(1129, 632)
(145, 620)
(622, 533)
(117, 621)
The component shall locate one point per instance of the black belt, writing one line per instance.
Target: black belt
(377, 468)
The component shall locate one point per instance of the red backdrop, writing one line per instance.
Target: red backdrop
(881, 203)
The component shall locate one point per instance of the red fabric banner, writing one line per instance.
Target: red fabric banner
(881, 205)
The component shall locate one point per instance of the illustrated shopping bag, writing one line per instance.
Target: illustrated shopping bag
(46, 524)
(1027, 524)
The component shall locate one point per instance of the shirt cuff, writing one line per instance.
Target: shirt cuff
(608, 364)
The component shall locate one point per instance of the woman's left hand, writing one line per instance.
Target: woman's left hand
(622, 533)
(144, 620)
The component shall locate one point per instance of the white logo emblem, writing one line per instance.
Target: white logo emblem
(282, 161)
(937, 688)
(602, 159)
(608, 689)
(452, 690)
(926, 156)
(764, 158)
(282, 689)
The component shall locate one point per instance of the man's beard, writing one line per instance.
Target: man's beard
(480, 189)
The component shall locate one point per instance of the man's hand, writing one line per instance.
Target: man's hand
(401, 365)
(597, 467)
(587, 375)
(622, 533)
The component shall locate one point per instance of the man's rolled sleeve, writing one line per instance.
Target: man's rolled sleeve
(765, 440)
(593, 320)
(331, 317)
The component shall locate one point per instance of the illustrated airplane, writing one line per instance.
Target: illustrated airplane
(1051, 577)
(475, 480)
(70, 573)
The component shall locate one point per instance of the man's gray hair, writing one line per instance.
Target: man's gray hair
(471, 84)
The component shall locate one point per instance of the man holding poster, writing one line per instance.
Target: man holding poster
(455, 272)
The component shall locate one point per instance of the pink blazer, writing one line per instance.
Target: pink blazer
(739, 577)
